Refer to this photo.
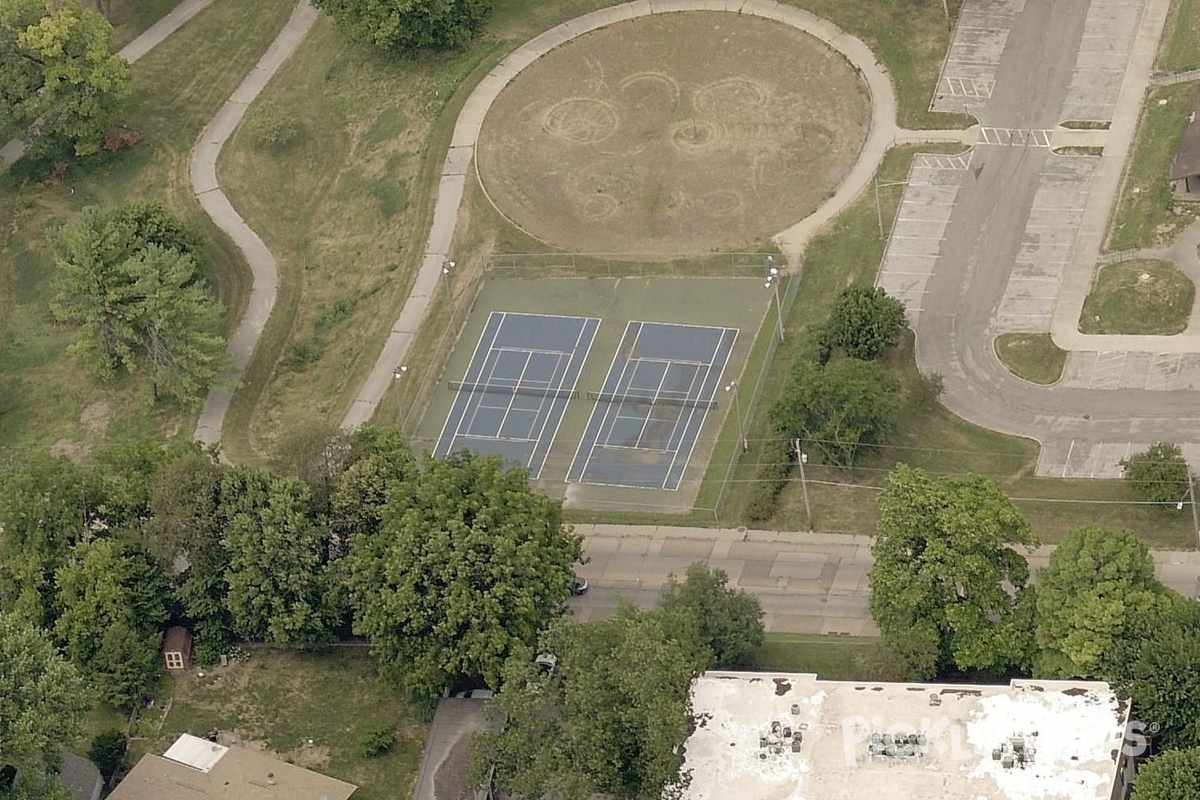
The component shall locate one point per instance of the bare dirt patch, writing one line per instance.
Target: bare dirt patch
(95, 418)
(677, 132)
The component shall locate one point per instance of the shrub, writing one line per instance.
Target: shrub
(117, 139)
(271, 126)
(375, 738)
(108, 752)
(1159, 474)
(769, 479)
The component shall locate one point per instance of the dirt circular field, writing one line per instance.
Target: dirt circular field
(673, 133)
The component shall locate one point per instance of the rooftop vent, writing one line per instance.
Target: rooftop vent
(935, 699)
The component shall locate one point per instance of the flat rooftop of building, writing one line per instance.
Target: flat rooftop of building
(1030, 740)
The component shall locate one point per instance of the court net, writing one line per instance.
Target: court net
(513, 389)
(651, 399)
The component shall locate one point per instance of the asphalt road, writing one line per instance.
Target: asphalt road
(807, 582)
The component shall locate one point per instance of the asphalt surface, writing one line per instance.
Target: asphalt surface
(812, 583)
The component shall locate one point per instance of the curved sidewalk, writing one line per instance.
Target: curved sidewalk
(208, 191)
(149, 39)
(457, 165)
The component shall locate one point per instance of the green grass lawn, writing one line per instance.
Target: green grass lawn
(347, 208)
(279, 700)
(130, 17)
(1138, 297)
(1180, 49)
(1032, 356)
(1145, 214)
(176, 89)
(832, 658)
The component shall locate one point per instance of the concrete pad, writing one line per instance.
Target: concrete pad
(799, 566)
(458, 160)
(696, 549)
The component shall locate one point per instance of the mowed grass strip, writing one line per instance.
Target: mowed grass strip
(1180, 49)
(177, 88)
(1145, 215)
(1138, 297)
(130, 18)
(1031, 356)
(279, 700)
(832, 658)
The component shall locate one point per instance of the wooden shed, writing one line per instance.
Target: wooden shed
(177, 649)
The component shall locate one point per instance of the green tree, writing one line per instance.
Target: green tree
(1174, 775)
(43, 701)
(128, 278)
(838, 408)
(469, 564)
(726, 623)
(1159, 473)
(1094, 592)
(865, 321)
(113, 602)
(46, 505)
(59, 79)
(407, 25)
(107, 752)
(942, 565)
(610, 719)
(1159, 670)
(278, 583)
(379, 462)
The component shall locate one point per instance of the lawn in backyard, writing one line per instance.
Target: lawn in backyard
(177, 87)
(279, 700)
(1138, 297)
(832, 658)
(1146, 215)
(1031, 356)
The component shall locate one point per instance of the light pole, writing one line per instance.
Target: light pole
(398, 373)
(446, 267)
(1191, 493)
(773, 283)
(802, 459)
(737, 410)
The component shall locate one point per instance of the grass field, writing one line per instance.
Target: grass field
(1032, 356)
(279, 700)
(1145, 214)
(1180, 49)
(1138, 297)
(131, 17)
(832, 658)
(177, 88)
(347, 208)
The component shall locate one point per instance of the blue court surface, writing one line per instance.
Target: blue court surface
(522, 374)
(648, 415)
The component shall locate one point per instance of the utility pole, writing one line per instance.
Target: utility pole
(1195, 518)
(802, 459)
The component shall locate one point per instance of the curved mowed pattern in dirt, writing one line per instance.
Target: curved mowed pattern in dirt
(673, 133)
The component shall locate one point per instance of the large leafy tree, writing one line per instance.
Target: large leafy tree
(1174, 775)
(129, 278)
(46, 505)
(43, 702)
(113, 601)
(59, 78)
(1095, 591)
(379, 462)
(406, 25)
(610, 718)
(278, 560)
(725, 623)
(943, 565)
(838, 408)
(1158, 667)
(1159, 473)
(865, 321)
(469, 564)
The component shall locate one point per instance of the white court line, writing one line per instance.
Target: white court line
(691, 412)
(474, 355)
(592, 341)
(582, 439)
(704, 416)
(513, 397)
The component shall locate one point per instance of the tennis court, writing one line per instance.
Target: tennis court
(648, 415)
(512, 398)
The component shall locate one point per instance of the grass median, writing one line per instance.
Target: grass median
(1180, 49)
(1138, 297)
(1031, 356)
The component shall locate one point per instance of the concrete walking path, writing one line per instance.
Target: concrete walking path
(807, 582)
(217, 206)
(884, 133)
(147, 41)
